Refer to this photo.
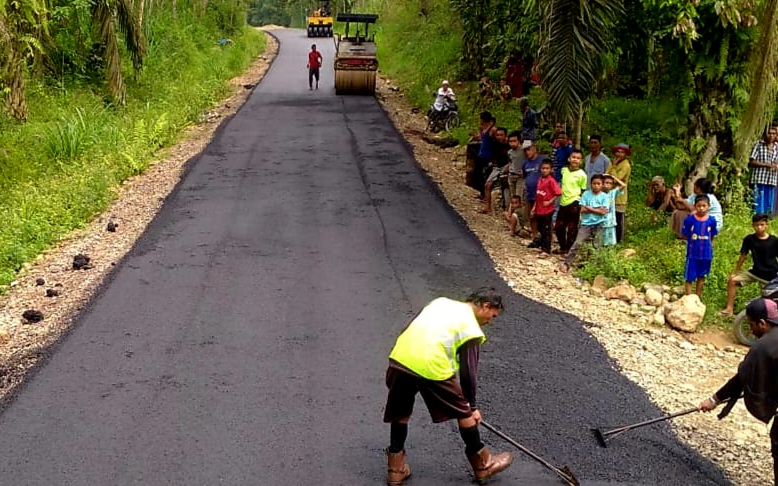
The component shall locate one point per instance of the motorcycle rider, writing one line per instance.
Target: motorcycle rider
(445, 93)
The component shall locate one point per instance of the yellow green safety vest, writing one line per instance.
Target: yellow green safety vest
(429, 344)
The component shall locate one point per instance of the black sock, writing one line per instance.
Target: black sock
(472, 439)
(397, 436)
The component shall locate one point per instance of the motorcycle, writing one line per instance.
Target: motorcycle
(740, 327)
(446, 119)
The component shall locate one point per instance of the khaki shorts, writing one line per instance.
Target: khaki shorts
(745, 277)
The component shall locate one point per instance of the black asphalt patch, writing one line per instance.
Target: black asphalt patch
(244, 339)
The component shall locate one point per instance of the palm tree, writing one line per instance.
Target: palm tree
(110, 16)
(575, 39)
(23, 26)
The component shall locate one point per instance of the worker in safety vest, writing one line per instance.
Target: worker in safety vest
(442, 340)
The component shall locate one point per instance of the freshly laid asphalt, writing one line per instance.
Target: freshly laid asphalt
(244, 339)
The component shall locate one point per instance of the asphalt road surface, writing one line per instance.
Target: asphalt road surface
(244, 339)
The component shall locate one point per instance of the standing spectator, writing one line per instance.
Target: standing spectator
(485, 155)
(686, 206)
(573, 184)
(530, 171)
(620, 169)
(596, 162)
(529, 122)
(545, 197)
(516, 156)
(499, 163)
(764, 172)
(613, 187)
(594, 208)
(763, 248)
(560, 151)
(314, 63)
(699, 229)
(757, 375)
(514, 73)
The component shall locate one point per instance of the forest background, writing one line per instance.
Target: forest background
(690, 86)
(91, 89)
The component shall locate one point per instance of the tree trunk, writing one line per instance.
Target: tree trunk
(12, 69)
(703, 164)
(578, 128)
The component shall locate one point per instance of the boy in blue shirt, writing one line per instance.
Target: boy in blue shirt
(594, 209)
(699, 229)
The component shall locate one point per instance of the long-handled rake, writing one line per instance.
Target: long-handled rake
(603, 436)
(564, 473)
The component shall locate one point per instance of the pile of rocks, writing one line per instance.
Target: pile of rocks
(663, 304)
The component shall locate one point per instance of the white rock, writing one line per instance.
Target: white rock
(686, 314)
(653, 297)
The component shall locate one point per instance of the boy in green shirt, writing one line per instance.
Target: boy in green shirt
(573, 184)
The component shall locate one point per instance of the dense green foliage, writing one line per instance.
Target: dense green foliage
(61, 166)
(420, 43)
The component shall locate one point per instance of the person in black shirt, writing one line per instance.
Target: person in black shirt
(757, 376)
(763, 248)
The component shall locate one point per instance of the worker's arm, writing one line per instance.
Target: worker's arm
(732, 389)
(469, 353)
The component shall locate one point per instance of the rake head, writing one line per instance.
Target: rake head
(571, 479)
(601, 439)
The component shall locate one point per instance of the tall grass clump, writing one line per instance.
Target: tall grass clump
(59, 168)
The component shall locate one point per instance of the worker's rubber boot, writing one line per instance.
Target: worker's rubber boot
(485, 465)
(397, 470)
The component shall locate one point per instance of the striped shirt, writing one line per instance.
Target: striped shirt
(763, 153)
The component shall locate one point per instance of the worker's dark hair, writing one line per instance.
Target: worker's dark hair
(758, 218)
(702, 197)
(596, 137)
(486, 116)
(547, 162)
(597, 176)
(515, 133)
(486, 295)
(502, 129)
(576, 151)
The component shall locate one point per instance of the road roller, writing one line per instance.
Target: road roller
(320, 21)
(355, 55)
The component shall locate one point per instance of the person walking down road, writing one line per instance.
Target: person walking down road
(764, 172)
(314, 63)
(757, 376)
(763, 248)
(442, 340)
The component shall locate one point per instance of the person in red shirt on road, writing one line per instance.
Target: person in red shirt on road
(314, 63)
(547, 192)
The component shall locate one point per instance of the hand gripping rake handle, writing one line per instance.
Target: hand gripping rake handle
(565, 474)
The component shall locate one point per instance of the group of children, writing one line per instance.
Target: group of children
(576, 215)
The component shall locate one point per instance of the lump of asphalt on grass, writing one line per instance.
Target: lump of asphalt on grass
(81, 262)
(32, 316)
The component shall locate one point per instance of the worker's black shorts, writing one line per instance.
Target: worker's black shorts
(313, 73)
(444, 399)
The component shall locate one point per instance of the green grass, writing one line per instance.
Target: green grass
(60, 168)
(418, 52)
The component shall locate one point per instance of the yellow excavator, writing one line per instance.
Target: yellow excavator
(320, 21)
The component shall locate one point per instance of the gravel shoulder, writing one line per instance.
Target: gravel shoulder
(676, 370)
